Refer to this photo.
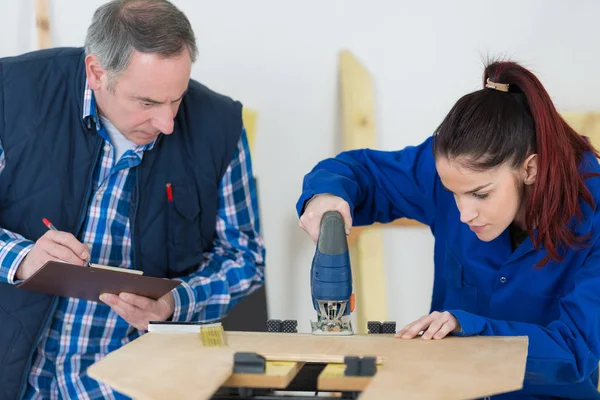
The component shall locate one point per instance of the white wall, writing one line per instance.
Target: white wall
(280, 57)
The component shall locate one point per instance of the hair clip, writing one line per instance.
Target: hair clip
(503, 87)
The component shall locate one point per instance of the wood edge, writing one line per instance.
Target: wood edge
(398, 223)
(274, 381)
(332, 379)
(42, 22)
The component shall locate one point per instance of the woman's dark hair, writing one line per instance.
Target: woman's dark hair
(491, 126)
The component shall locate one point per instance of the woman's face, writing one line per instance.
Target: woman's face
(490, 200)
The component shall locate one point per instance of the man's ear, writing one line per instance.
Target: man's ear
(530, 169)
(96, 75)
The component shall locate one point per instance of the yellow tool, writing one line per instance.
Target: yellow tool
(213, 335)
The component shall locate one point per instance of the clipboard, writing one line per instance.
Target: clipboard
(87, 283)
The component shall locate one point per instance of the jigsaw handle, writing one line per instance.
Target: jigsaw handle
(331, 274)
(332, 234)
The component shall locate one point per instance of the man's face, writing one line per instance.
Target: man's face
(142, 101)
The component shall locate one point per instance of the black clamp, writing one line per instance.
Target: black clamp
(287, 325)
(388, 327)
(360, 366)
(249, 363)
(374, 326)
(381, 327)
(274, 325)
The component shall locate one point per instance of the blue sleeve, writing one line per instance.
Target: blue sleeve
(568, 349)
(234, 266)
(380, 186)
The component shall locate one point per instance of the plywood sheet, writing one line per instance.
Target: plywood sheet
(452, 369)
(333, 379)
(278, 375)
(308, 347)
(165, 366)
(177, 366)
(466, 367)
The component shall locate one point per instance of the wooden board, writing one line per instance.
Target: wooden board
(332, 379)
(278, 375)
(399, 223)
(358, 131)
(42, 23)
(165, 366)
(586, 124)
(178, 366)
(310, 348)
(405, 222)
(249, 117)
(451, 369)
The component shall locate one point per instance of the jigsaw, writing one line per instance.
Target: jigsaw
(331, 279)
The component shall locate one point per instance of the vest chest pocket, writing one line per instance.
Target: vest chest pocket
(459, 294)
(184, 228)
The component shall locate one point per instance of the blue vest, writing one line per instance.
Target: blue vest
(50, 157)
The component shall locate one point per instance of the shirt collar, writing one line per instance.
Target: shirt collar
(90, 113)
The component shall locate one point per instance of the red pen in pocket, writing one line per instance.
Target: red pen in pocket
(169, 193)
(170, 250)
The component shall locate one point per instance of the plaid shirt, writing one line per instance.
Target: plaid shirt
(82, 332)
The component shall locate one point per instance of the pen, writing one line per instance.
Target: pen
(170, 250)
(50, 226)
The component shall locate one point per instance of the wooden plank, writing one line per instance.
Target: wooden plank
(404, 222)
(358, 131)
(452, 368)
(371, 287)
(278, 375)
(332, 379)
(42, 23)
(399, 223)
(165, 366)
(481, 366)
(178, 366)
(586, 124)
(310, 348)
(358, 105)
(249, 117)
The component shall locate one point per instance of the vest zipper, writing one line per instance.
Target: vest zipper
(133, 215)
(88, 189)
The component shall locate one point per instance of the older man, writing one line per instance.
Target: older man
(137, 166)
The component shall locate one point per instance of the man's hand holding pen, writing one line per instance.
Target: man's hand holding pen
(54, 245)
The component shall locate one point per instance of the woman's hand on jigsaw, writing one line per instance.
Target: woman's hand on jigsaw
(310, 220)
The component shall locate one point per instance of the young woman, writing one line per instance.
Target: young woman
(512, 197)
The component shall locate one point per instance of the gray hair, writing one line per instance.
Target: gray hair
(121, 27)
